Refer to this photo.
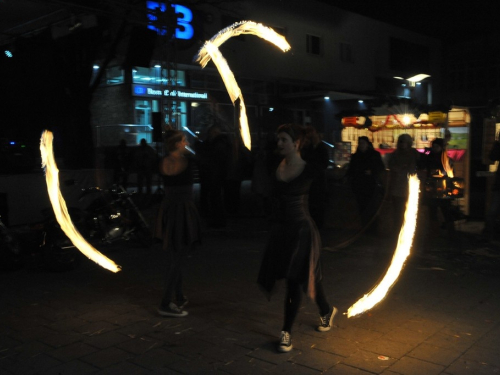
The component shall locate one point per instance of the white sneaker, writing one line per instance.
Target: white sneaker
(285, 344)
(172, 311)
(327, 320)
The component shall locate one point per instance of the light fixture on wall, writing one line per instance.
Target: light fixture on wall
(414, 79)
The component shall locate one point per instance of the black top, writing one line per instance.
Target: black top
(495, 156)
(186, 177)
(294, 245)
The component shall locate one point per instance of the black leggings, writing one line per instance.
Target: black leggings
(173, 277)
(293, 299)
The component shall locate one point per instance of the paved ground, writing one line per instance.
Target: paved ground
(442, 316)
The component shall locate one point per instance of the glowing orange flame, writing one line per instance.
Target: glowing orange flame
(405, 241)
(60, 209)
(210, 50)
(446, 164)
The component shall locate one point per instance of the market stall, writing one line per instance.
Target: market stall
(384, 130)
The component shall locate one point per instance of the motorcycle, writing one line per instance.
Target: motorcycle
(39, 245)
(10, 252)
(113, 216)
(110, 216)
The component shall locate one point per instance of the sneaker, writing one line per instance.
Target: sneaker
(172, 310)
(285, 344)
(182, 302)
(326, 320)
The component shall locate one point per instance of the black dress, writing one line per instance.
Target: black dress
(293, 249)
(178, 222)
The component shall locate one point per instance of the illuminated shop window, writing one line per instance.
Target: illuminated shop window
(114, 76)
(175, 114)
(142, 112)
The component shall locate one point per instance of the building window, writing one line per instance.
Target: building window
(313, 44)
(112, 76)
(200, 80)
(346, 54)
(157, 76)
(175, 114)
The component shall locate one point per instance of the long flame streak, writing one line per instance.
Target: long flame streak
(405, 241)
(60, 209)
(222, 66)
(243, 27)
(445, 160)
(210, 51)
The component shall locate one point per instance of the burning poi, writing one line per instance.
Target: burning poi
(402, 251)
(210, 50)
(60, 209)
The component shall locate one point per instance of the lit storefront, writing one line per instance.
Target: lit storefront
(383, 132)
(157, 98)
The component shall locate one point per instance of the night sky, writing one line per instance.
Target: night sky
(446, 20)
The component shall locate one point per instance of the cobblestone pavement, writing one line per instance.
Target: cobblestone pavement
(441, 317)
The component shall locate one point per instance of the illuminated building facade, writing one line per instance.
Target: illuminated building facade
(339, 62)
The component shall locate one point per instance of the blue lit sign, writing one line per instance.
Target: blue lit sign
(139, 90)
(176, 93)
(184, 29)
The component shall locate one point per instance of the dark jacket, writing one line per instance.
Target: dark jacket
(495, 156)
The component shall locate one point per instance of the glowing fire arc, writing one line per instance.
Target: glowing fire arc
(210, 50)
(60, 209)
(401, 253)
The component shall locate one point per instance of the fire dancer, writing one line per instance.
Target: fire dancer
(293, 249)
(178, 223)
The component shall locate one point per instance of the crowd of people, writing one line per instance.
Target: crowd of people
(288, 174)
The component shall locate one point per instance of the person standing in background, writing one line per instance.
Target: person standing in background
(316, 152)
(365, 176)
(404, 161)
(491, 220)
(145, 161)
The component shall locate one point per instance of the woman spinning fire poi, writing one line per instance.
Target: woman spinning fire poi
(210, 51)
(293, 249)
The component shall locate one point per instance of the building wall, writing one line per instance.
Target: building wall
(112, 105)
(249, 56)
(252, 58)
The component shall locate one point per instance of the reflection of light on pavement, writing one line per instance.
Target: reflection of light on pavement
(60, 209)
(402, 251)
(210, 50)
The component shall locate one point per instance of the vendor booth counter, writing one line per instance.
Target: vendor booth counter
(383, 131)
